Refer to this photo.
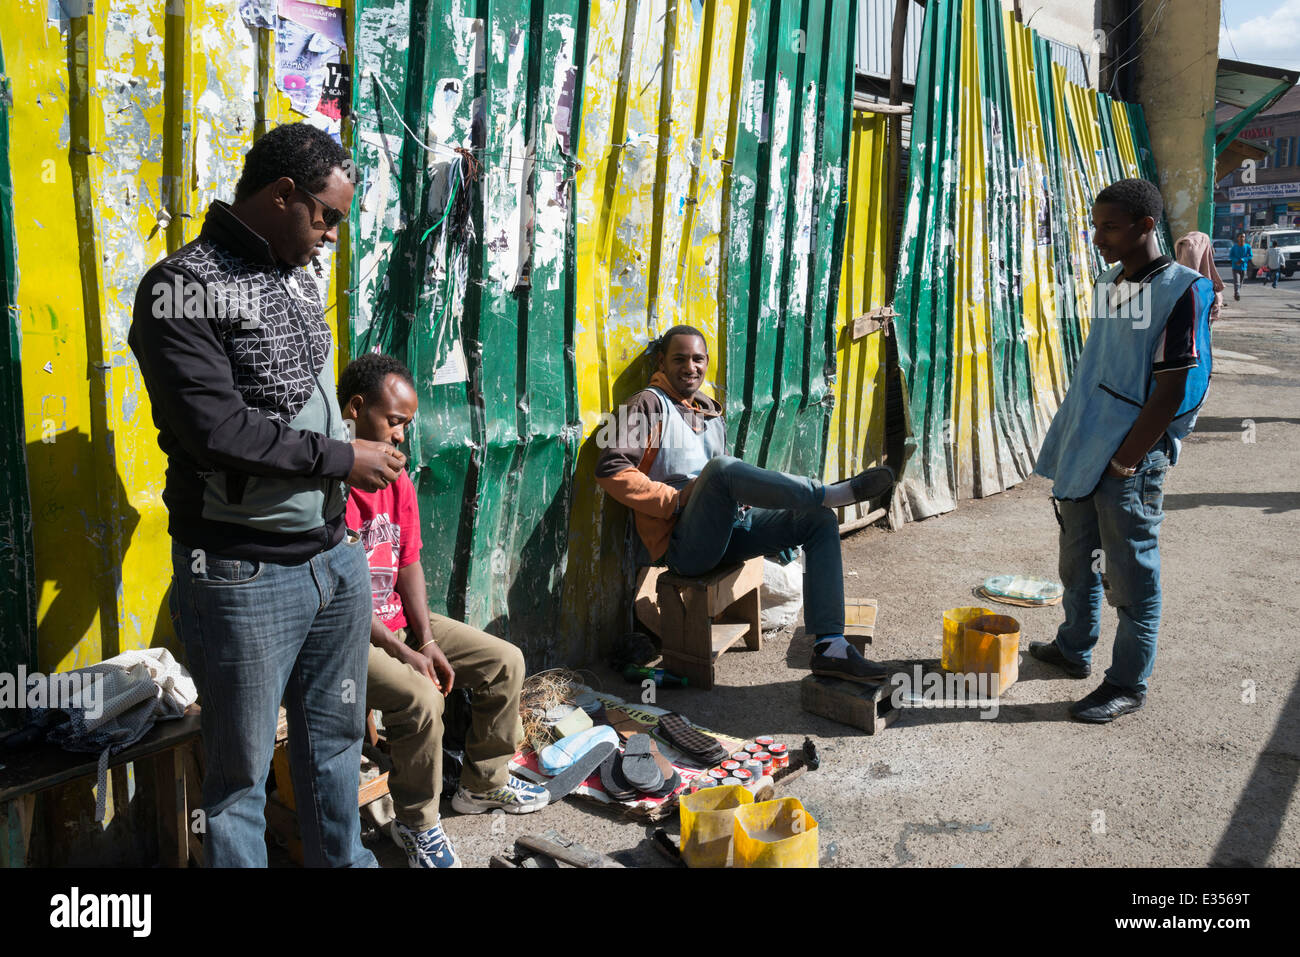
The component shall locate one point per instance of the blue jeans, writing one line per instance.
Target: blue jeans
(1115, 532)
(1274, 276)
(787, 511)
(257, 632)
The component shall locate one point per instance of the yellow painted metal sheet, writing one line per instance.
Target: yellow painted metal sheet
(1124, 139)
(133, 118)
(1037, 267)
(120, 237)
(56, 394)
(857, 430)
(699, 257)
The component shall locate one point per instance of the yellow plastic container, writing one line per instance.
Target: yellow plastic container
(708, 824)
(775, 834)
(980, 641)
(954, 628)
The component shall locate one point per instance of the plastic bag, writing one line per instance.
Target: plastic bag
(781, 595)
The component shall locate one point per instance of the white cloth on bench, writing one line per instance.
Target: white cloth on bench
(138, 688)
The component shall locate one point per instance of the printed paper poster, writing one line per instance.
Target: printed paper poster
(309, 38)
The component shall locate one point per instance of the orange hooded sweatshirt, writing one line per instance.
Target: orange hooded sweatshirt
(624, 465)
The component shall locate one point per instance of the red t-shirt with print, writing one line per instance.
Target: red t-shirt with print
(389, 523)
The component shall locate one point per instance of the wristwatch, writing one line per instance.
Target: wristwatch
(1127, 473)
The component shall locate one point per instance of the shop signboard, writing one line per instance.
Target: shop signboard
(1264, 191)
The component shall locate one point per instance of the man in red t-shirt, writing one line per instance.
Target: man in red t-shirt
(416, 658)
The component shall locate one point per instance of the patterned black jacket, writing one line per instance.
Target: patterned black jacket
(239, 365)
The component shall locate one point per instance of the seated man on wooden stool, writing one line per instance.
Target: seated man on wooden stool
(697, 507)
(416, 658)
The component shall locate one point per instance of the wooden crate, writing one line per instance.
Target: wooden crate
(865, 706)
(700, 618)
(860, 622)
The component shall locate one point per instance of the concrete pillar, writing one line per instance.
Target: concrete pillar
(1179, 59)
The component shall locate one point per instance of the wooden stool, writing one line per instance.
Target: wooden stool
(702, 617)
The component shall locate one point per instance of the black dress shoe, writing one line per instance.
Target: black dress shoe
(1106, 704)
(853, 668)
(872, 483)
(1050, 652)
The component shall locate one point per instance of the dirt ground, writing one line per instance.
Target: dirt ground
(1204, 775)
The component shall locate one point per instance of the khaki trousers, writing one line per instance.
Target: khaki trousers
(492, 671)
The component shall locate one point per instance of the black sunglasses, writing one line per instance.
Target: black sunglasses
(330, 216)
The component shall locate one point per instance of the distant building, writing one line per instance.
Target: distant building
(1274, 196)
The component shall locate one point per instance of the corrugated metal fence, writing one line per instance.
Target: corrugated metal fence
(629, 164)
(996, 268)
(703, 184)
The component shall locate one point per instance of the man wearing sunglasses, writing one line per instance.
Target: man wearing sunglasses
(270, 591)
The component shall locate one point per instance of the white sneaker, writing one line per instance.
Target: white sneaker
(430, 848)
(516, 796)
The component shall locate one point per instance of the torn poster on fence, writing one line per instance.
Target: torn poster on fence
(336, 93)
(453, 369)
(308, 39)
(258, 13)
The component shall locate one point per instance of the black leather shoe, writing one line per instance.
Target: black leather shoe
(1050, 652)
(853, 668)
(1106, 704)
(872, 483)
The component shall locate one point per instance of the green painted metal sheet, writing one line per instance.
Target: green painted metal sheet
(796, 439)
(1009, 356)
(766, 312)
(925, 263)
(816, 408)
(742, 212)
(794, 332)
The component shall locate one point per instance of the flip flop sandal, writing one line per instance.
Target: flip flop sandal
(670, 785)
(639, 764)
(612, 780)
(682, 736)
(665, 766)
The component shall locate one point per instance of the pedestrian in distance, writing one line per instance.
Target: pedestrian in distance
(1195, 251)
(1239, 256)
(1274, 261)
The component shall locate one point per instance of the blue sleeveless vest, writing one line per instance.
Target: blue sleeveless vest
(683, 452)
(1113, 379)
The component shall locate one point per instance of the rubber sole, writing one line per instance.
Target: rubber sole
(410, 862)
(864, 680)
(465, 807)
(1107, 720)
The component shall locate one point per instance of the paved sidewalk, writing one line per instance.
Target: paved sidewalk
(1200, 776)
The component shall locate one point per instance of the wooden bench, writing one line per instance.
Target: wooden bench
(171, 746)
(700, 618)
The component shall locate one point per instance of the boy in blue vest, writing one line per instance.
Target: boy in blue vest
(1139, 382)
